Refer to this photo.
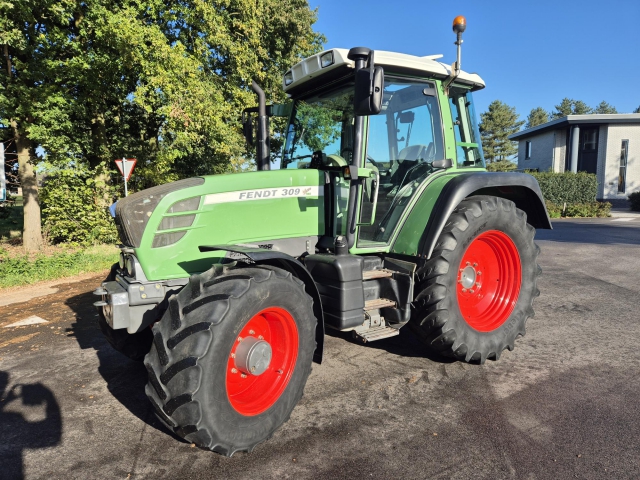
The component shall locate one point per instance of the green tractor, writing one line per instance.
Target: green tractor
(378, 214)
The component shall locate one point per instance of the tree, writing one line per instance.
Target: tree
(569, 106)
(604, 108)
(637, 110)
(496, 125)
(162, 81)
(536, 117)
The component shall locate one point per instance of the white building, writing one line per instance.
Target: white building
(607, 145)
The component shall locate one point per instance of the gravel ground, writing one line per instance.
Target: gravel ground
(563, 404)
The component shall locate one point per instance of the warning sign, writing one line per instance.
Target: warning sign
(126, 166)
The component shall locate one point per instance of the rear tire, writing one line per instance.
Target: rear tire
(195, 382)
(133, 345)
(475, 294)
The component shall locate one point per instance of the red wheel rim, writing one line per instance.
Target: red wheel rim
(250, 394)
(489, 279)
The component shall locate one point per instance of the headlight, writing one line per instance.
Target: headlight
(130, 266)
(121, 261)
(326, 59)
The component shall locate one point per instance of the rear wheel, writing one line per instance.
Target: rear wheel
(231, 357)
(476, 291)
(133, 345)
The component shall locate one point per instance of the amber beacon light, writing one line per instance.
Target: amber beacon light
(459, 24)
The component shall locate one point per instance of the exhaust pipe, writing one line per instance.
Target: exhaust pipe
(263, 153)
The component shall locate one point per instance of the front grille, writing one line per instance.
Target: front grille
(134, 211)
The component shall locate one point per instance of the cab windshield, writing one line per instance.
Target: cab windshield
(320, 131)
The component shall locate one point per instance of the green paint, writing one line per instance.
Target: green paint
(413, 227)
(237, 222)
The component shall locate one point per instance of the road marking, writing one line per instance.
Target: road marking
(623, 219)
(32, 320)
(21, 339)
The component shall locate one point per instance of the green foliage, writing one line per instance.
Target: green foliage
(637, 110)
(496, 125)
(567, 187)
(634, 201)
(536, 117)
(502, 166)
(72, 207)
(605, 108)
(22, 269)
(568, 106)
(586, 210)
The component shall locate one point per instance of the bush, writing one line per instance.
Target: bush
(569, 187)
(590, 209)
(501, 166)
(634, 201)
(74, 208)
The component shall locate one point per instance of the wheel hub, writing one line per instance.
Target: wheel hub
(253, 356)
(468, 277)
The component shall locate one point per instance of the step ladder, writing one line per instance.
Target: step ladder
(375, 327)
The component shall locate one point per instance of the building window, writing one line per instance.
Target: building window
(527, 151)
(622, 177)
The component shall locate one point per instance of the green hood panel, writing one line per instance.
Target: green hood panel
(246, 208)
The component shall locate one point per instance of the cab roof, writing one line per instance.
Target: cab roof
(392, 62)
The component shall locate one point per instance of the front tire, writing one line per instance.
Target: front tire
(476, 291)
(231, 357)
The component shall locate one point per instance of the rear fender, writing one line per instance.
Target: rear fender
(261, 256)
(520, 188)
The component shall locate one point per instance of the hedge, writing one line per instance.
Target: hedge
(634, 201)
(569, 187)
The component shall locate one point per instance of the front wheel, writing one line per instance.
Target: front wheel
(231, 356)
(476, 291)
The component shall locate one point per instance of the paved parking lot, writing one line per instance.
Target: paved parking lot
(563, 404)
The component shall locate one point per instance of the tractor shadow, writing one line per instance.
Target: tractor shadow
(125, 378)
(405, 344)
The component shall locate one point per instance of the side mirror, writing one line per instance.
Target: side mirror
(446, 163)
(369, 88)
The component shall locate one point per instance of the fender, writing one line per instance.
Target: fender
(262, 256)
(520, 188)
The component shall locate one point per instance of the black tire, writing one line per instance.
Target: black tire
(133, 345)
(190, 358)
(437, 318)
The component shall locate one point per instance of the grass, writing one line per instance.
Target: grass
(18, 268)
(11, 227)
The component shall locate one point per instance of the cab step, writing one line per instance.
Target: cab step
(371, 274)
(378, 303)
(375, 333)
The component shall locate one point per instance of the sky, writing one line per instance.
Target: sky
(529, 53)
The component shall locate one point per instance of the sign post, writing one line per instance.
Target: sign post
(126, 166)
(3, 180)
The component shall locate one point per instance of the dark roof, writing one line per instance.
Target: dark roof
(578, 120)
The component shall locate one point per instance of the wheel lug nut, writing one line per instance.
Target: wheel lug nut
(233, 370)
(464, 290)
(239, 339)
(479, 273)
(470, 291)
(243, 375)
(233, 355)
(475, 264)
(468, 263)
(251, 332)
(477, 284)
(260, 337)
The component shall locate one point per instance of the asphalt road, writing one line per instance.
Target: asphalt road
(563, 404)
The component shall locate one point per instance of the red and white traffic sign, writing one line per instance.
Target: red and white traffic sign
(127, 169)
